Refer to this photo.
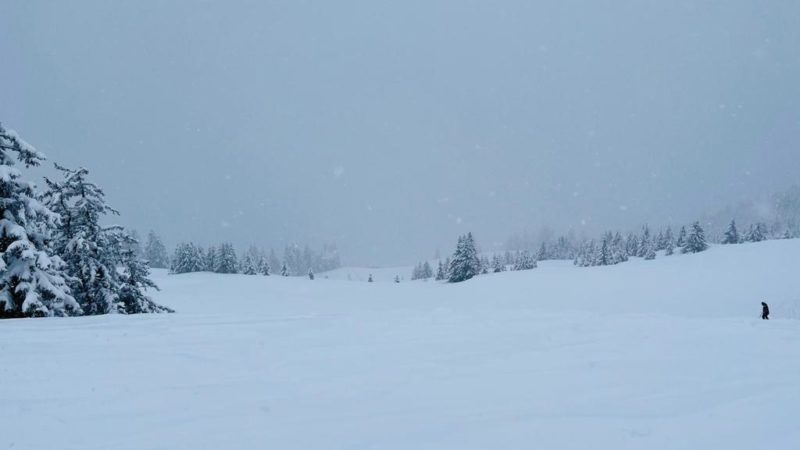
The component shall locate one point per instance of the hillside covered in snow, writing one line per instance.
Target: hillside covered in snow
(662, 354)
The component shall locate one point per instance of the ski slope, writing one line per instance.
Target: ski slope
(664, 354)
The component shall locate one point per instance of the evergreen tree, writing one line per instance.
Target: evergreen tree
(484, 265)
(651, 253)
(757, 233)
(670, 249)
(427, 271)
(135, 281)
(226, 261)
(31, 277)
(632, 245)
(604, 257)
(415, 274)
(263, 266)
(695, 240)
(187, 259)
(89, 250)
(155, 252)
(370, 280)
(645, 242)
(731, 235)
(247, 266)
(681, 238)
(311, 274)
(542, 254)
(440, 272)
(669, 242)
(619, 253)
(509, 258)
(200, 257)
(498, 265)
(293, 258)
(284, 270)
(525, 261)
(210, 263)
(465, 263)
(135, 244)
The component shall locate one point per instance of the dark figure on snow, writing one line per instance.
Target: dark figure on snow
(764, 311)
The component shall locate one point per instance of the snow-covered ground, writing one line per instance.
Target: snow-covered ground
(664, 354)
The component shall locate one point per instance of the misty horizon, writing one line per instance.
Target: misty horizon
(390, 129)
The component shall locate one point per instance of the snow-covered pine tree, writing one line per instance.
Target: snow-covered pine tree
(525, 261)
(669, 250)
(484, 265)
(732, 234)
(651, 252)
(293, 258)
(370, 280)
(632, 245)
(263, 266)
(135, 280)
(247, 266)
(201, 258)
(210, 262)
(187, 259)
(604, 257)
(415, 274)
(757, 232)
(155, 252)
(681, 238)
(31, 278)
(136, 244)
(311, 274)
(498, 265)
(509, 258)
(542, 254)
(644, 243)
(660, 241)
(695, 240)
(440, 272)
(178, 261)
(618, 251)
(669, 242)
(284, 270)
(89, 250)
(226, 259)
(427, 271)
(465, 263)
(309, 260)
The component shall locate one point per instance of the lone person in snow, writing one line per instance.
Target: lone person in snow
(764, 311)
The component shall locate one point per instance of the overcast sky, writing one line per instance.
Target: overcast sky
(391, 127)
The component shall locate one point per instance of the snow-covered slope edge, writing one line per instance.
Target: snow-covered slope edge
(725, 281)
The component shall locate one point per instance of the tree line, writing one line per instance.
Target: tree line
(56, 259)
(189, 257)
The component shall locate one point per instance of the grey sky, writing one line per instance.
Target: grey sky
(391, 127)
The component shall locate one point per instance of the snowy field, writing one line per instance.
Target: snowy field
(664, 354)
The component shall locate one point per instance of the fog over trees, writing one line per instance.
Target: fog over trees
(389, 129)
